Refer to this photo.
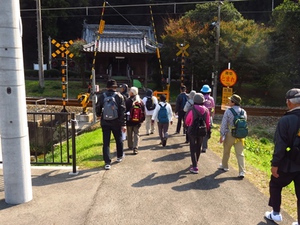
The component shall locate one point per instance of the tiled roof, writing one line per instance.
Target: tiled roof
(119, 39)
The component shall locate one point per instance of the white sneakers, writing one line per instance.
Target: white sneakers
(276, 218)
(241, 175)
(295, 223)
(221, 167)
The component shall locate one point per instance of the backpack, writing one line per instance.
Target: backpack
(240, 129)
(162, 115)
(110, 107)
(137, 114)
(150, 103)
(208, 103)
(198, 127)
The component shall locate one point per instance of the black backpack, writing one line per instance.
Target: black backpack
(198, 127)
(150, 103)
(294, 152)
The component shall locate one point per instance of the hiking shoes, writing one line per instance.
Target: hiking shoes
(107, 166)
(135, 151)
(203, 150)
(194, 170)
(221, 167)
(295, 223)
(164, 142)
(270, 216)
(120, 159)
(241, 175)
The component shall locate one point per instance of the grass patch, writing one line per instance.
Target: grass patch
(53, 89)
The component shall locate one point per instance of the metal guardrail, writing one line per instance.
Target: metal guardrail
(52, 138)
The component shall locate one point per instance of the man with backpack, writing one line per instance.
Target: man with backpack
(135, 111)
(210, 104)
(229, 137)
(150, 103)
(111, 110)
(285, 163)
(181, 99)
(198, 126)
(163, 116)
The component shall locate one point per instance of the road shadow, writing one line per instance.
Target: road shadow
(208, 182)
(172, 157)
(152, 180)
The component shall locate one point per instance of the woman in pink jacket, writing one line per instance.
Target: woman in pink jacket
(196, 141)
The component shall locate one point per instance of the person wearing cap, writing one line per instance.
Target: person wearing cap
(210, 104)
(124, 91)
(163, 127)
(181, 99)
(189, 105)
(196, 142)
(150, 128)
(284, 169)
(228, 140)
(116, 126)
(133, 128)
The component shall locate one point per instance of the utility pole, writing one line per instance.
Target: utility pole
(13, 121)
(40, 43)
(216, 65)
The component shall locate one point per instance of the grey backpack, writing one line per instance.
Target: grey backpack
(110, 107)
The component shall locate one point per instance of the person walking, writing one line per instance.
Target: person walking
(135, 111)
(284, 168)
(198, 110)
(124, 91)
(210, 104)
(188, 105)
(181, 99)
(111, 110)
(228, 140)
(163, 116)
(150, 103)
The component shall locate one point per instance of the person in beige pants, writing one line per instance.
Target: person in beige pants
(228, 140)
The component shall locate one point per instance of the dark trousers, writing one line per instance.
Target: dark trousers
(163, 131)
(106, 131)
(195, 149)
(276, 185)
(181, 115)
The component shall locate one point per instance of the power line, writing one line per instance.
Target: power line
(124, 6)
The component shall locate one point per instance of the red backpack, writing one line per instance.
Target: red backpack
(137, 114)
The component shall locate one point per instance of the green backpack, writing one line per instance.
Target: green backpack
(240, 129)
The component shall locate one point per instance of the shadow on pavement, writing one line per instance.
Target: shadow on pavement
(205, 183)
(52, 177)
(151, 180)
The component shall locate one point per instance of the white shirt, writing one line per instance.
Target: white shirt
(155, 101)
(157, 108)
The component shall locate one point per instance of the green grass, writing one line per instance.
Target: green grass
(53, 89)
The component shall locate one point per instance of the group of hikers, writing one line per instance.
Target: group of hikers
(122, 114)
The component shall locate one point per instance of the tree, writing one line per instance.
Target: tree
(242, 42)
(79, 57)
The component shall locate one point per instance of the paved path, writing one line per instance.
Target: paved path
(153, 187)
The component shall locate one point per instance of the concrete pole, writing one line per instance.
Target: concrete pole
(216, 66)
(13, 120)
(40, 43)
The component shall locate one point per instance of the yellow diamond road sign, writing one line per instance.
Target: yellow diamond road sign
(182, 50)
(62, 48)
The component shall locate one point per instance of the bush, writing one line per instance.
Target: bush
(53, 73)
(31, 73)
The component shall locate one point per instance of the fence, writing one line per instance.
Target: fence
(52, 138)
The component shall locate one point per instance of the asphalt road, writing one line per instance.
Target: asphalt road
(153, 187)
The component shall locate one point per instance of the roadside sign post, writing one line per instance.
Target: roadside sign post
(62, 49)
(183, 54)
(228, 78)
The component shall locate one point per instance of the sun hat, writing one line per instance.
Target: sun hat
(205, 89)
(111, 83)
(192, 94)
(198, 98)
(134, 90)
(235, 98)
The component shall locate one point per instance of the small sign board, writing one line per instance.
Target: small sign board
(226, 93)
(228, 78)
